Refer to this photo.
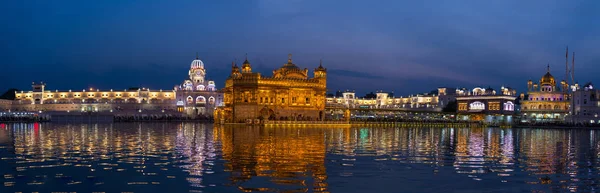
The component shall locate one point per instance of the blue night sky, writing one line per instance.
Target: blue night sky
(402, 46)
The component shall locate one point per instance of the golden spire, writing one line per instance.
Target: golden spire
(246, 61)
(289, 58)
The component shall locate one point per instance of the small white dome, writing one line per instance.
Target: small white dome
(197, 63)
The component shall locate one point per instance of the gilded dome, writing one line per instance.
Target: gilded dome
(547, 78)
(290, 70)
(246, 64)
(290, 65)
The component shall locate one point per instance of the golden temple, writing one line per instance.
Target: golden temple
(287, 95)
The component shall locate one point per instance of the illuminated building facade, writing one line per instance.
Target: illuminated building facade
(203, 95)
(385, 100)
(196, 95)
(93, 100)
(586, 104)
(288, 95)
(5, 105)
(487, 105)
(544, 101)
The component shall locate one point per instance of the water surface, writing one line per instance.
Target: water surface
(194, 157)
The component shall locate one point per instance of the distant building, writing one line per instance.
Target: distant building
(586, 105)
(287, 95)
(194, 97)
(487, 105)
(5, 105)
(545, 101)
(385, 100)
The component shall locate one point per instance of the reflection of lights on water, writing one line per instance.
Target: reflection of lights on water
(250, 153)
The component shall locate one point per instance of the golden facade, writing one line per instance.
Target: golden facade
(544, 101)
(287, 95)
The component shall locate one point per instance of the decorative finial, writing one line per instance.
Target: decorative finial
(548, 67)
(196, 55)
(289, 56)
(321, 62)
(246, 56)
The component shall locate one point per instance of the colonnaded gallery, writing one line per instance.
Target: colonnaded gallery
(195, 96)
(287, 95)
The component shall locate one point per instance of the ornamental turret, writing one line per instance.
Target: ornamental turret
(246, 68)
(235, 71)
(321, 73)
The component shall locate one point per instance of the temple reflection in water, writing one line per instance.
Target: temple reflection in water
(199, 157)
(293, 157)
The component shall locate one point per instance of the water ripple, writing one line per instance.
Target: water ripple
(188, 157)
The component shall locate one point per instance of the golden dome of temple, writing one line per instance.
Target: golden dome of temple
(547, 78)
(290, 70)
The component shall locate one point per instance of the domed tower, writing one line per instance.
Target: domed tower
(547, 82)
(197, 71)
(321, 73)
(235, 71)
(246, 68)
(529, 85)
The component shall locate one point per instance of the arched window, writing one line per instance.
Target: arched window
(190, 100)
(200, 87)
(477, 106)
(509, 106)
(211, 100)
(200, 100)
